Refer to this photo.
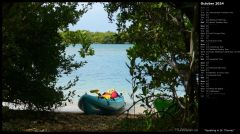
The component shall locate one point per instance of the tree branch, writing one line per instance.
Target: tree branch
(134, 103)
(176, 97)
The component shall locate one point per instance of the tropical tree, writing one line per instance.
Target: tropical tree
(79, 37)
(33, 53)
(160, 61)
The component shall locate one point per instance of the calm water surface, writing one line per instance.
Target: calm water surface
(105, 69)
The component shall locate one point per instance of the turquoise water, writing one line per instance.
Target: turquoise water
(106, 69)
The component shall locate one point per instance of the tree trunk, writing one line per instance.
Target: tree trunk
(191, 90)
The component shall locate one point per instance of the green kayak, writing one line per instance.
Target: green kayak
(97, 105)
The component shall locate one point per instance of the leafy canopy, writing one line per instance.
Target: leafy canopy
(160, 59)
(33, 52)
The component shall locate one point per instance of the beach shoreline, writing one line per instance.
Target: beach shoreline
(78, 121)
(73, 107)
(64, 121)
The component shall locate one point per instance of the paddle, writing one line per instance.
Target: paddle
(96, 91)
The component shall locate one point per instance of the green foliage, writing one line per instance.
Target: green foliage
(34, 54)
(159, 59)
(161, 104)
(103, 38)
(79, 37)
(74, 37)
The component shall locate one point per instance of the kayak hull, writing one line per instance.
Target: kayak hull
(96, 105)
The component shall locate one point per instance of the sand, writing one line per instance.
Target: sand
(29, 121)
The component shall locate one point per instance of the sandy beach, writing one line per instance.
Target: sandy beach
(29, 121)
(67, 119)
(73, 108)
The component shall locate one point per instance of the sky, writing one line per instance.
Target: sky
(95, 20)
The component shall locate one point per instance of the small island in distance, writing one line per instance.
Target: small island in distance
(72, 37)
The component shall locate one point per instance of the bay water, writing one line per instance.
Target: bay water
(106, 69)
